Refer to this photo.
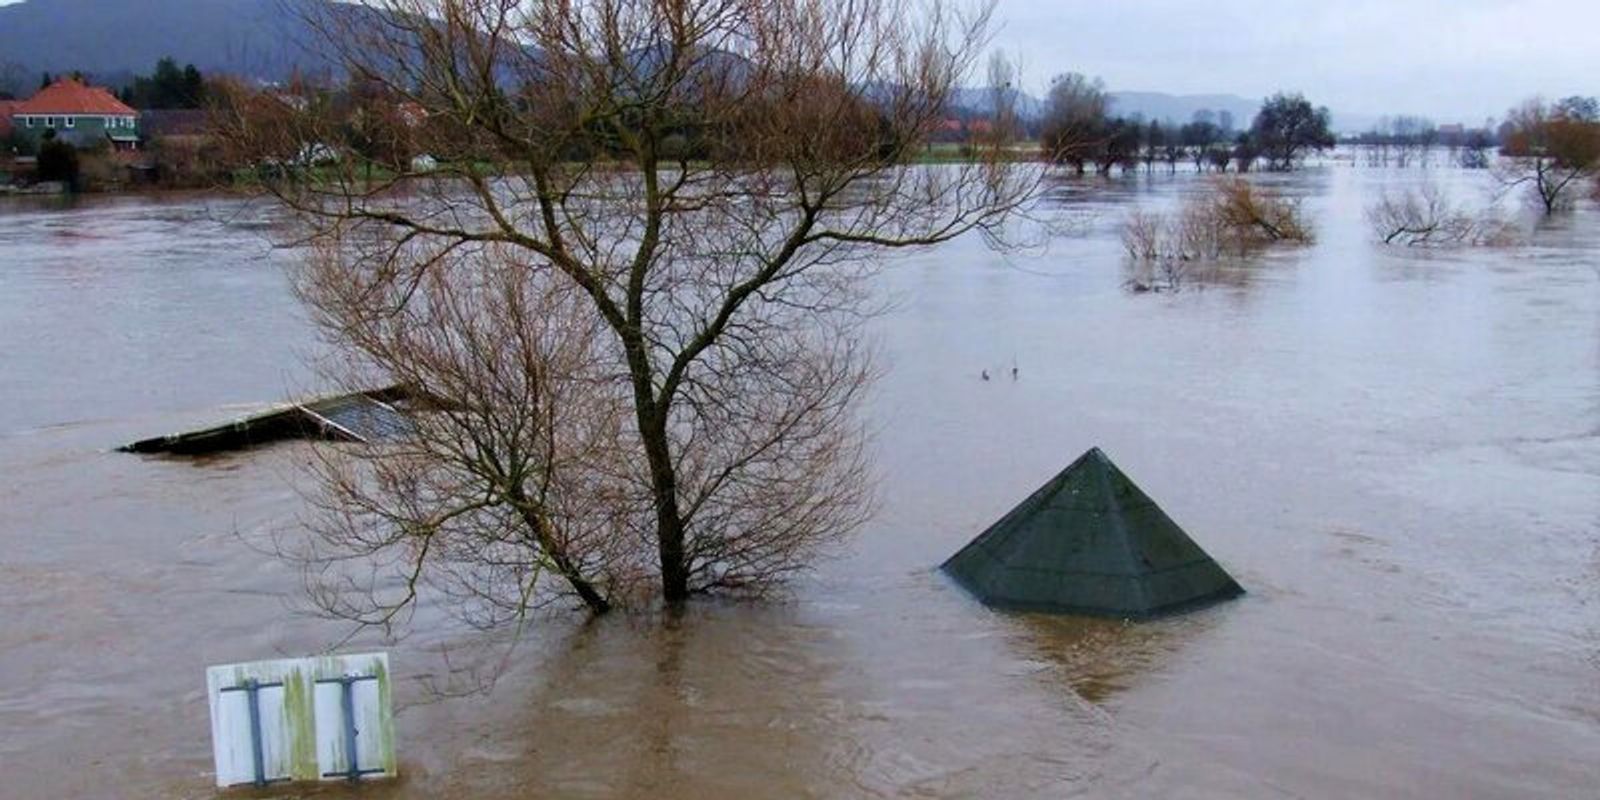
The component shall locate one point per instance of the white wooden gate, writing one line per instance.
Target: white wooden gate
(302, 719)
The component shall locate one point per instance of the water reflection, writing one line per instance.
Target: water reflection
(1098, 658)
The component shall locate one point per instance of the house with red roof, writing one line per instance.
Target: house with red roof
(76, 112)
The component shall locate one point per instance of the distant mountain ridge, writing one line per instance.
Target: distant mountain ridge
(107, 38)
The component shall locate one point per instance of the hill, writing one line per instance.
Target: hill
(1182, 107)
(112, 38)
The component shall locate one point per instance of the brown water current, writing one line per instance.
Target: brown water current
(1397, 453)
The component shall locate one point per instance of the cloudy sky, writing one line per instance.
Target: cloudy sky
(1453, 60)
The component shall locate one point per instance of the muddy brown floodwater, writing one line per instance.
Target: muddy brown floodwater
(1397, 453)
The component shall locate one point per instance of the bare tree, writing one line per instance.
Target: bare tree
(700, 188)
(1219, 156)
(1244, 153)
(1426, 217)
(1074, 126)
(1476, 149)
(511, 475)
(1286, 127)
(1413, 138)
(1549, 149)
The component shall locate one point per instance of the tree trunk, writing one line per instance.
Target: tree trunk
(669, 522)
(586, 591)
(558, 555)
(651, 417)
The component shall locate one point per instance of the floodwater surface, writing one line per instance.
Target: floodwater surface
(1397, 453)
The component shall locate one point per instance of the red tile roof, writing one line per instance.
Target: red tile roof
(72, 96)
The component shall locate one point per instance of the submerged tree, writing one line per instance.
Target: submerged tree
(632, 275)
(1550, 149)
(1426, 217)
(1286, 128)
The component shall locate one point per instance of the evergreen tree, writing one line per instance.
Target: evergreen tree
(168, 87)
(194, 87)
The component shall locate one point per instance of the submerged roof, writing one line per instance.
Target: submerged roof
(1090, 542)
(72, 96)
(366, 416)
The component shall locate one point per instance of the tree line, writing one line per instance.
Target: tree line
(1081, 131)
(168, 87)
(1406, 140)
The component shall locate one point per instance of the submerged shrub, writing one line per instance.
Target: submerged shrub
(1251, 218)
(1425, 217)
(1231, 217)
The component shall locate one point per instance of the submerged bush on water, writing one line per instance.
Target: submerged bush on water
(1231, 218)
(1425, 217)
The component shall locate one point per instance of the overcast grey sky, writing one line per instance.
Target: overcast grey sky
(1453, 60)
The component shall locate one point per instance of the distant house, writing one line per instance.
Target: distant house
(78, 113)
(953, 129)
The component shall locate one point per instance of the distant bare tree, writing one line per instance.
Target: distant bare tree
(1117, 146)
(1287, 127)
(1244, 154)
(1074, 125)
(1413, 139)
(1172, 149)
(1549, 149)
(1219, 156)
(1476, 150)
(1199, 136)
(689, 196)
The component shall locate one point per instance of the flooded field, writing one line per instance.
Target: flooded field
(1396, 452)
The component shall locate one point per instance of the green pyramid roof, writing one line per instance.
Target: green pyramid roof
(1090, 542)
